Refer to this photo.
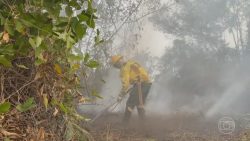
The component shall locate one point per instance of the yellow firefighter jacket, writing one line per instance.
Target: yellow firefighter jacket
(132, 72)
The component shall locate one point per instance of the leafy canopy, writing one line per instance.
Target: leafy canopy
(47, 27)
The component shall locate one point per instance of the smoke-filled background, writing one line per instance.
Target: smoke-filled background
(207, 68)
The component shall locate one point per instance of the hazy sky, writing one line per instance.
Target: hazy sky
(156, 41)
(153, 40)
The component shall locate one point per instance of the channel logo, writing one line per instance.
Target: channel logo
(226, 125)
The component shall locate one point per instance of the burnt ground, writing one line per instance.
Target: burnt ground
(176, 127)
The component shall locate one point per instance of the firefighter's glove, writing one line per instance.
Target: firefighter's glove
(119, 98)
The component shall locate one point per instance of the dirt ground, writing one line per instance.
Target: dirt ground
(177, 127)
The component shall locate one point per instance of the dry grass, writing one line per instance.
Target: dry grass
(17, 84)
(162, 128)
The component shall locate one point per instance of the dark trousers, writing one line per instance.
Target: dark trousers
(133, 101)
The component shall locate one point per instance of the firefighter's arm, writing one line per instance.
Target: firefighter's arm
(125, 80)
(144, 74)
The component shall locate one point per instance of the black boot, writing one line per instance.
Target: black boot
(141, 113)
(127, 115)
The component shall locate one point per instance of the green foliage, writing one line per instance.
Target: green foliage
(86, 58)
(4, 61)
(61, 106)
(47, 31)
(92, 64)
(4, 107)
(96, 94)
(97, 38)
(39, 26)
(27, 105)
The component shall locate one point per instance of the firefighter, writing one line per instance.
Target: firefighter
(135, 82)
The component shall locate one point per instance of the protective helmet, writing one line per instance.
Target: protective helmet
(115, 59)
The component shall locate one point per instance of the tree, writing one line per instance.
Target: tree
(211, 24)
(38, 67)
(203, 58)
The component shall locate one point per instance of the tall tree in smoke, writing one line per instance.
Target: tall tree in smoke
(210, 48)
